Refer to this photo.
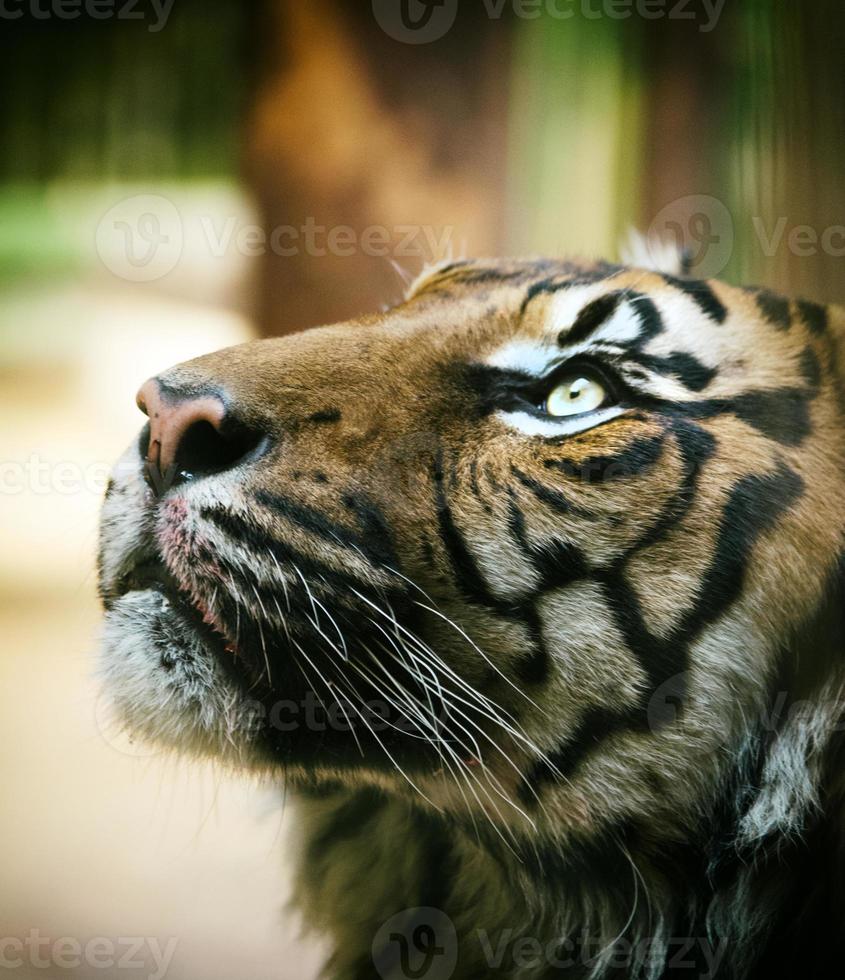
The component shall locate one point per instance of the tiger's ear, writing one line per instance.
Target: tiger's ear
(655, 254)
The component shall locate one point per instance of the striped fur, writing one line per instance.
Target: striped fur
(575, 682)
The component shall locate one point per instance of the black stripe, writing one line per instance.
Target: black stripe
(473, 478)
(309, 519)
(325, 415)
(637, 458)
(481, 277)
(702, 293)
(534, 665)
(373, 541)
(261, 541)
(375, 530)
(696, 446)
(547, 495)
(814, 315)
(468, 576)
(651, 323)
(579, 277)
(345, 824)
(598, 723)
(685, 367)
(557, 563)
(755, 504)
(589, 319)
(811, 369)
(658, 660)
(781, 414)
(774, 308)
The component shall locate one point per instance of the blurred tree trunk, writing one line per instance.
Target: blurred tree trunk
(545, 136)
(363, 151)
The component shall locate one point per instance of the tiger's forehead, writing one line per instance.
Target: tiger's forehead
(622, 309)
(566, 316)
(522, 315)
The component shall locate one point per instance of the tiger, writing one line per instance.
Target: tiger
(529, 590)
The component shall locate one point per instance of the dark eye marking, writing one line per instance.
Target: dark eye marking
(325, 415)
(591, 317)
(508, 390)
(496, 388)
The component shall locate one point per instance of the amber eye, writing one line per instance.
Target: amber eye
(576, 394)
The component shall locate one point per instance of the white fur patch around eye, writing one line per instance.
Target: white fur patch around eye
(532, 425)
(538, 357)
(622, 326)
(533, 357)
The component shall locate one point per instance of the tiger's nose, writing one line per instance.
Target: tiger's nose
(190, 435)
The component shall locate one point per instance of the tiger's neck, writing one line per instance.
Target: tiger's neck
(393, 885)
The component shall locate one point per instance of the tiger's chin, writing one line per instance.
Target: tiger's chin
(165, 683)
(173, 682)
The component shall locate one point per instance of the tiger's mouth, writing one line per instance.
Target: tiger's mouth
(311, 707)
(152, 575)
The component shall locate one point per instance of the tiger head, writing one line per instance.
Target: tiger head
(553, 547)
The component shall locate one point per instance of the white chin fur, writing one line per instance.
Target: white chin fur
(165, 686)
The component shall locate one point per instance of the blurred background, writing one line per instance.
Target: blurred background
(180, 175)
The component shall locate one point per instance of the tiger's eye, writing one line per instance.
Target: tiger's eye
(575, 395)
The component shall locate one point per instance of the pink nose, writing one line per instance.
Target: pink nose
(179, 423)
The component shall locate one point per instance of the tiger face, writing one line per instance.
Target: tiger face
(537, 546)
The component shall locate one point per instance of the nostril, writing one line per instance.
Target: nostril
(205, 449)
(191, 434)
